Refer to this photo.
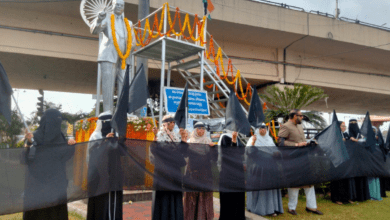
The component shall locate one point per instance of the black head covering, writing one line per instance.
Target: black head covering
(199, 125)
(353, 128)
(106, 128)
(106, 118)
(49, 130)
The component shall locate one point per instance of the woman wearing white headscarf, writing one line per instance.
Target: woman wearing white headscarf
(264, 202)
(199, 205)
(168, 205)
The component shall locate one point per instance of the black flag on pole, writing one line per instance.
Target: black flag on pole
(119, 119)
(368, 133)
(5, 95)
(331, 141)
(235, 117)
(139, 92)
(256, 115)
(387, 145)
(182, 110)
(381, 142)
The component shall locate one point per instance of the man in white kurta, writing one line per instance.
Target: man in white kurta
(109, 62)
(293, 135)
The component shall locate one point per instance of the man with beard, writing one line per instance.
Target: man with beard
(292, 134)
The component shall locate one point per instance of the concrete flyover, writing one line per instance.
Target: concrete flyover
(48, 46)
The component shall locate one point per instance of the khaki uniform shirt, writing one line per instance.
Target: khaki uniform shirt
(291, 133)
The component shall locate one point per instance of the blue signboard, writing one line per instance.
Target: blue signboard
(197, 101)
(143, 112)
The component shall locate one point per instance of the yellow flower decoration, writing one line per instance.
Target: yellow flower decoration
(129, 40)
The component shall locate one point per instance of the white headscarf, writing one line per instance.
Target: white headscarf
(165, 134)
(261, 141)
(97, 133)
(195, 138)
(264, 142)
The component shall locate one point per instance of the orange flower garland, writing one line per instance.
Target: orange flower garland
(159, 24)
(129, 40)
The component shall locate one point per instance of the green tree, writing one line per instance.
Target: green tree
(71, 118)
(298, 97)
(8, 133)
(92, 113)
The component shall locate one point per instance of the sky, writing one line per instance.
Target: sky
(71, 102)
(370, 11)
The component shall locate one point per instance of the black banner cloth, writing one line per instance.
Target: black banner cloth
(62, 173)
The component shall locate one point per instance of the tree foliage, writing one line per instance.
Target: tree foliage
(298, 97)
(8, 133)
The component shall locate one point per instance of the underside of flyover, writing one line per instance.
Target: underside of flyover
(65, 75)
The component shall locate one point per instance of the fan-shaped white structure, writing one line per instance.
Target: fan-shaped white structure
(90, 9)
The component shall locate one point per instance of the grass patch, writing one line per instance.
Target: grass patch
(19, 216)
(359, 210)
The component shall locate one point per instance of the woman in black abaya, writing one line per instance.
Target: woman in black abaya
(343, 190)
(381, 143)
(362, 190)
(232, 176)
(104, 173)
(46, 181)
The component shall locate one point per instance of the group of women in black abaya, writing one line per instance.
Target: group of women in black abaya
(51, 186)
(357, 188)
(45, 157)
(168, 205)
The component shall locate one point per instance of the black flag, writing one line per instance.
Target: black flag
(387, 145)
(5, 95)
(381, 143)
(331, 142)
(139, 92)
(255, 115)
(368, 133)
(181, 112)
(235, 117)
(119, 119)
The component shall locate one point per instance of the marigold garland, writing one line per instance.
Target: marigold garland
(129, 40)
(219, 58)
(140, 37)
(210, 54)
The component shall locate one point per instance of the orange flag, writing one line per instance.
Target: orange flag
(210, 6)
